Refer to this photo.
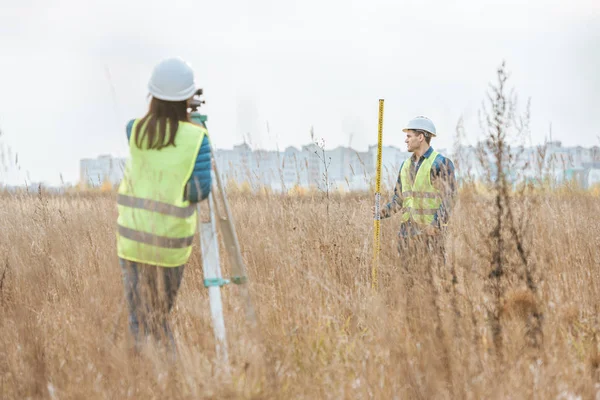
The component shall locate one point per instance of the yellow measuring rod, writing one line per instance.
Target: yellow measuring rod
(377, 228)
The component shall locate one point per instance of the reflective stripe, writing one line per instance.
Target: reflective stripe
(155, 240)
(156, 206)
(421, 195)
(423, 211)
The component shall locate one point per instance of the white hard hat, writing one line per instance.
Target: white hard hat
(420, 123)
(172, 80)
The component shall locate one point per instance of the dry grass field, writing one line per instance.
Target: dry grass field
(455, 332)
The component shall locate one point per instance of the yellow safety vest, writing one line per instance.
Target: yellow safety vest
(421, 200)
(156, 225)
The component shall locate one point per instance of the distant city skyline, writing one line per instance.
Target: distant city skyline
(349, 169)
(13, 174)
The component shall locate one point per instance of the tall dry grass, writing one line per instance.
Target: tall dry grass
(324, 333)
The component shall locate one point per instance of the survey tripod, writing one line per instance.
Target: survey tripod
(216, 219)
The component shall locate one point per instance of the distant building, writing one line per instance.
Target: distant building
(292, 167)
(312, 158)
(95, 172)
(349, 169)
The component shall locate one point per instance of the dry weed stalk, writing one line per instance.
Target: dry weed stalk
(506, 236)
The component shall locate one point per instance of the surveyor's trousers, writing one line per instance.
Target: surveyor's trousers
(150, 292)
(421, 246)
(419, 254)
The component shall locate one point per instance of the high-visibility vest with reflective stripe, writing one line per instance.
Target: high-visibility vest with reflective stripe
(421, 200)
(156, 225)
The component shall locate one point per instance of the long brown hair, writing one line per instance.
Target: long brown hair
(161, 115)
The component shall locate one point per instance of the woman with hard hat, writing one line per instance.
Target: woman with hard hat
(168, 172)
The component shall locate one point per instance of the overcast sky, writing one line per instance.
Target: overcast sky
(291, 64)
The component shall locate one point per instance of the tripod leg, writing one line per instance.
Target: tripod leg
(238, 268)
(213, 279)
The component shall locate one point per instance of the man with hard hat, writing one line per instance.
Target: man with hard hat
(425, 186)
(168, 172)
